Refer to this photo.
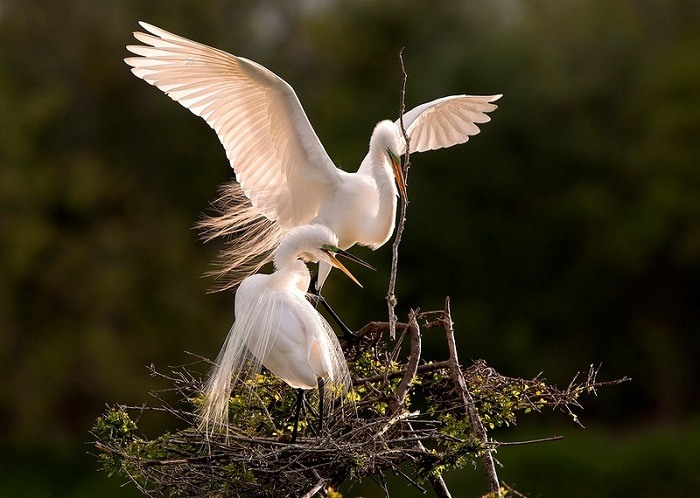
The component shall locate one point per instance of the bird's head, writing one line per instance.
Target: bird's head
(331, 253)
(313, 243)
(387, 137)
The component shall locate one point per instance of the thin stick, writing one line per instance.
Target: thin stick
(411, 366)
(529, 441)
(315, 489)
(425, 367)
(477, 427)
(514, 492)
(397, 470)
(391, 293)
(436, 480)
(377, 328)
(384, 485)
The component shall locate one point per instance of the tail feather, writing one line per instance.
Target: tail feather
(236, 361)
(249, 236)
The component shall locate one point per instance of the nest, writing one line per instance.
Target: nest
(404, 416)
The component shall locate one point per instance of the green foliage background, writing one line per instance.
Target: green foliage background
(566, 233)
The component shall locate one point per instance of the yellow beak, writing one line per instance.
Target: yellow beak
(334, 261)
(398, 173)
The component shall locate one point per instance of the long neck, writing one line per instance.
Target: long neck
(288, 267)
(293, 273)
(376, 164)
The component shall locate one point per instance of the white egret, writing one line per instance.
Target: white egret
(284, 176)
(277, 327)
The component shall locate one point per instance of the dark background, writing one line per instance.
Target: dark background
(566, 233)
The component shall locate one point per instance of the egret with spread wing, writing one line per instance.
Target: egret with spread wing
(276, 326)
(284, 176)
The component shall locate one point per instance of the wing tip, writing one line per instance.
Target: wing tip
(148, 27)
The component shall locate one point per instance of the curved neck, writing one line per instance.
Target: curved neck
(381, 226)
(293, 272)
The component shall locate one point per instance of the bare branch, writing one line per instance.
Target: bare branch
(412, 364)
(321, 482)
(391, 293)
(439, 486)
(477, 426)
(529, 441)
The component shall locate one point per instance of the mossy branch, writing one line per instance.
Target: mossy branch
(376, 430)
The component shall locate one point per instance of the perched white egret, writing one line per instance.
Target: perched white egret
(277, 327)
(284, 176)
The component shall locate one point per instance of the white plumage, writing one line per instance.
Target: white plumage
(277, 327)
(279, 162)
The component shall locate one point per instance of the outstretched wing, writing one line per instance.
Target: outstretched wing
(447, 121)
(275, 153)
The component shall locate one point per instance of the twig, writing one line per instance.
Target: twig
(477, 427)
(412, 364)
(439, 486)
(426, 367)
(529, 441)
(315, 489)
(436, 480)
(512, 491)
(365, 438)
(403, 474)
(391, 293)
(396, 418)
(383, 485)
(377, 328)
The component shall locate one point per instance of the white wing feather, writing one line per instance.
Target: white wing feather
(305, 347)
(275, 153)
(447, 121)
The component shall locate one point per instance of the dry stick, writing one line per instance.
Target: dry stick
(529, 441)
(321, 482)
(378, 328)
(436, 481)
(384, 485)
(426, 367)
(412, 364)
(477, 427)
(514, 492)
(391, 293)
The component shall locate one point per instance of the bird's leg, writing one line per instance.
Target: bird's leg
(350, 336)
(321, 391)
(313, 285)
(316, 297)
(300, 401)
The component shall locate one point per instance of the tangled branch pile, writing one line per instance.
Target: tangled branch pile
(375, 430)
